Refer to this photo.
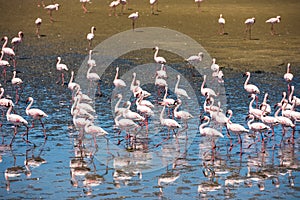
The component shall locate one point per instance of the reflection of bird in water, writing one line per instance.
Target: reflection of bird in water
(92, 180)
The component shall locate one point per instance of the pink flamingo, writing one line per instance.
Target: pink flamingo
(50, 9)
(4, 64)
(249, 23)
(254, 111)
(38, 23)
(250, 88)
(4, 101)
(207, 91)
(221, 22)
(36, 114)
(118, 82)
(17, 82)
(257, 127)
(8, 51)
(169, 123)
(288, 77)
(291, 97)
(93, 77)
(133, 17)
(162, 72)
(60, 67)
(264, 106)
(123, 3)
(128, 114)
(90, 36)
(236, 129)
(113, 5)
(145, 110)
(125, 124)
(90, 128)
(179, 91)
(158, 59)
(16, 120)
(183, 115)
(273, 21)
(170, 103)
(17, 40)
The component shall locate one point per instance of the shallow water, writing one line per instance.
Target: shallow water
(178, 168)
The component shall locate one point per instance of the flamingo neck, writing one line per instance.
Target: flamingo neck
(277, 112)
(291, 94)
(204, 124)
(155, 54)
(30, 104)
(117, 73)
(247, 80)
(117, 120)
(176, 107)
(178, 79)
(251, 103)
(161, 117)
(165, 96)
(5, 43)
(9, 111)
(90, 68)
(14, 74)
(203, 83)
(58, 61)
(2, 92)
(250, 121)
(118, 103)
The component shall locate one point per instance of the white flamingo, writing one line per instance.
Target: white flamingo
(90, 128)
(36, 114)
(207, 91)
(288, 76)
(17, 40)
(118, 82)
(128, 114)
(4, 64)
(171, 124)
(183, 115)
(273, 21)
(291, 97)
(250, 88)
(91, 62)
(113, 5)
(93, 77)
(38, 23)
(17, 82)
(158, 59)
(8, 51)
(264, 106)
(167, 101)
(236, 129)
(119, 110)
(214, 66)
(162, 72)
(195, 58)
(254, 111)
(249, 23)
(125, 124)
(4, 101)
(90, 36)
(16, 120)
(221, 22)
(179, 91)
(133, 16)
(61, 67)
(72, 85)
(50, 9)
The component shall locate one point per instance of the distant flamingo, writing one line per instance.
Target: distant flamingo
(250, 88)
(72, 85)
(288, 77)
(93, 77)
(264, 106)
(125, 124)
(16, 120)
(133, 17)
(273, 21)
(249, 23)
(118, 82)
(254, 111)
(236, 129)
(123, 3)
(195, 58)
(96, 131)
(162, 72)
(36, 114)
(60, 67)
(128, 114)
(4, 64)
(4, 102)
(145, 110)
(160, 83)
(113, 5)
(214, 66)
(219, 75)
(38, 23)
(221, 22)
(183, 115)
(90, 36)
(170, 103)
(50, 9)
(257, 127)
(8, 51)
(17, 40)
(179, 91)
(291, 97)
(119, 110)
(17, 82)
(207, 91)
(91, 62)
(158, 59)
(152, 3)
(270, 121)
(171, 124)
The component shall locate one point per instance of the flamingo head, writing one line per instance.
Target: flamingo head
(155, 48)
(29, 99)
(278, 17)
(94, 28)
(221, 15)
(58, 58)
(21, 34)
(4, 38)
(56, 6)
(246, 74)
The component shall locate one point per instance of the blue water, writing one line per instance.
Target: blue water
(176, 169)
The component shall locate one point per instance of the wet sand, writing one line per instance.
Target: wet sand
(67, 35)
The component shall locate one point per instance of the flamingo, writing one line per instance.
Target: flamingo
(4, 101)
(209, 132)
(249, 23)
(265, 106)
(214, 67)
(160, 82)
(291, 97)
(4, 64)
(90, 36)
(17, 82)
(169, 123)
(36, 114)
(257, 127)
(288, 76)
(257, 113)
(118, 82)
(183, 115)
(199, 4)
(79, 121)
(133, 17)
(113, 5)
(162, 72)
(90, 128)
(236, 129)
(119, 110)
(152, 3)
(125, 124)
(72, 85)
(60, 67)
(123, 3)
(219, 75)
(16, 120)
(179, 91)
(273, 21)
(158, 59)
(38, 23)
(17, 40)
(51, 8)
(93, 77)
(195, 58)
(8, 51)
(207, 91)
(91, 62)
(138, 91)
(128, 114)
(269, 120)
(167, 101)
(221, 22)
(84, 106)
(250, 88)
(144, 109)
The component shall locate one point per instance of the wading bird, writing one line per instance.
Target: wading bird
(133, 17)
(273, 21)
(221, 22)
(249, 23)
(50, 9)
(60, 67)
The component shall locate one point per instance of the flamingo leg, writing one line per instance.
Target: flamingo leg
(15, 133)
(241, 144)
(45, 135)
(62, 79)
